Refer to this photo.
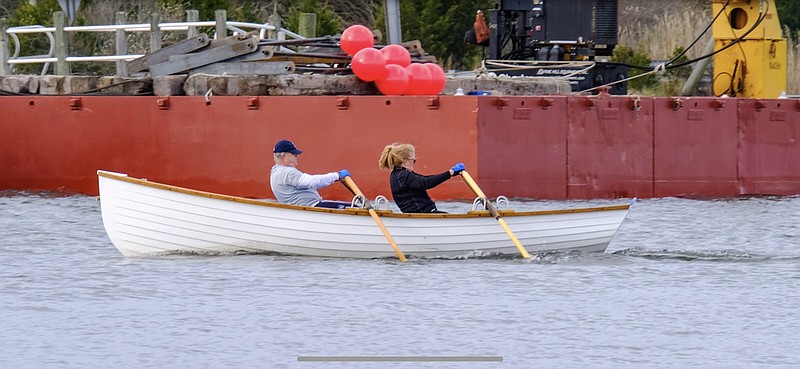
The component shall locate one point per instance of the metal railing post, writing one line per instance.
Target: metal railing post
(155, 32)
(122, 45)
(192, 16)
(392, 11)
(221, 16)
(5, 53)
(62, 67)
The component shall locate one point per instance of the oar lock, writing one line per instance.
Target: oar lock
(360, 201)
(382, 203)
(480, 203)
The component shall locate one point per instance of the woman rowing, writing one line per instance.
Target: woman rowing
(409, 188)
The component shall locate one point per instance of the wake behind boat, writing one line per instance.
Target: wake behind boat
(147, 218)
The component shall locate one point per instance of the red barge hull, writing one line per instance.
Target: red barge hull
(543, 147)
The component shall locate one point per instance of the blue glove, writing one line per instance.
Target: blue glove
(343, 173)
(457, 168)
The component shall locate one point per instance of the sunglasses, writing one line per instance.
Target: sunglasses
(412, 160)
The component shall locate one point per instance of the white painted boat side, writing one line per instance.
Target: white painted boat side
(145, 218)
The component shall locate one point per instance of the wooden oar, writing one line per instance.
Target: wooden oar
(493, 210)
(348, 182)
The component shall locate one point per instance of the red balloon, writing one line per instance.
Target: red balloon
(355, 38)
(369, 64)
(438, 79)
(396, 54)
(395, 82)
(419, 79)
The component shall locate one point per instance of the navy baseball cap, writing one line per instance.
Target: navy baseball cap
(287, 146)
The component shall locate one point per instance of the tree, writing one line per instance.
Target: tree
(440, 27)
(627, 55)
(328, 23)
(7, 7)
(789, 13)
(35, 43)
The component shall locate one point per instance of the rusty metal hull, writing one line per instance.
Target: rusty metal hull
(547, 147)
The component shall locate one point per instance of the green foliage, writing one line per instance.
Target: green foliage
(207, 8)
(240, 11)
(682, 72)
(440, 27)
(328, 23)
(41, 13)
(669, 83)
(6, 7)
(32, 43)
(789, 13)
(626, 54)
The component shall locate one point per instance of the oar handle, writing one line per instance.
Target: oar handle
(348, 182)
(472, 184)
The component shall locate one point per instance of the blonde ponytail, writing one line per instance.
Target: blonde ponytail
(394, 154)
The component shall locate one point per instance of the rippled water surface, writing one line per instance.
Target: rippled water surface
(685, 283)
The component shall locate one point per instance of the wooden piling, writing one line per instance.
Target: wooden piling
(5, 68)
(221, 16)
(62, 67)
(308, 25)
(155, 32)
(121, 44)
(192, 16)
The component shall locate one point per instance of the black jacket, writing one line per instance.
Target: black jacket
(409, 190)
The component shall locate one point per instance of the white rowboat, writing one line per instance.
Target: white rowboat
(146, 218)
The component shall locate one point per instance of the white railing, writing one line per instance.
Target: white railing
(8, 59)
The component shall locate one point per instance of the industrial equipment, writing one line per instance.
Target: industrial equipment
(560, 34)
(750, 53)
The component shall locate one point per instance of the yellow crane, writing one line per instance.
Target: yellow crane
(755, 66)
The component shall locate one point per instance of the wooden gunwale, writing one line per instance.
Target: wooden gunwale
(350, 211)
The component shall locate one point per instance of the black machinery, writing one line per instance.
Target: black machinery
(554, 31)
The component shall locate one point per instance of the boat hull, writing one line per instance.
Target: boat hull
(146, 218)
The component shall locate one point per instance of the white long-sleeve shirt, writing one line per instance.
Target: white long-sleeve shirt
(291, 186)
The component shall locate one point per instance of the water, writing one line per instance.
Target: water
(685, 283)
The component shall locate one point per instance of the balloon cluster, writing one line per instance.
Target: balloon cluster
(390, 67)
